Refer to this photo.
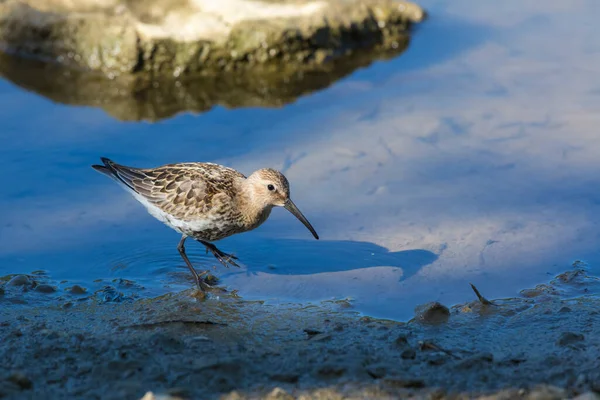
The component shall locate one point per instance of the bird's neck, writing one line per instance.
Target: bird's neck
(254, 211)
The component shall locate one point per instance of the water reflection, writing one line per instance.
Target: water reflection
(135, 98)
(478, 166)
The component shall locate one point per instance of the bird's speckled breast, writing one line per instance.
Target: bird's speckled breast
(226, 224)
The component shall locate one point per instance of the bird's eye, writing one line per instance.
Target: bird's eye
(271, 187)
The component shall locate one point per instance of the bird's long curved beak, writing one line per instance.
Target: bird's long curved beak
(291, 207)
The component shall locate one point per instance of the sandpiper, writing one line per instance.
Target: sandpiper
(206, 201)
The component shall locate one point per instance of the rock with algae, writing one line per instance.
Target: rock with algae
(190, 36)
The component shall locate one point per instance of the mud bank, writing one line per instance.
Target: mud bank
(542, 344)
(188, 36)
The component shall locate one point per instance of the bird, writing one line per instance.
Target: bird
(206, 201)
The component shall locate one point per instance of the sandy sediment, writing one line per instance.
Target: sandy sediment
(107, 345)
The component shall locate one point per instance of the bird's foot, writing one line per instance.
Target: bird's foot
(224, 258)
(201, 283)
(204, 287)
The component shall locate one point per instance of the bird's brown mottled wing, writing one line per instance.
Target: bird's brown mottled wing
(185, 190)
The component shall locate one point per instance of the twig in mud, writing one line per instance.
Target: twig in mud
(173, 321)
(428, 345)
(482, 299)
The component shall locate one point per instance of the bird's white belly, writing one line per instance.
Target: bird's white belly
(183, 227)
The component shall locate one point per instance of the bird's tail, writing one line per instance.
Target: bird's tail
(107, 169)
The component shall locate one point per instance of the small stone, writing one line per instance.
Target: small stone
(329, 370)
(19, 280)
(152, 396)
(287, 378)
(16, 333)
(321, 337)
(437, 359)
(539, 290)
(178, 392)
(76, 289)
(428, 345)
(569, 338)
(312, 332)
(43, 288)
(401, 340)
(404, 383)
(377, 371)
(432, 313)
(409, 354)
(279, 394)
(200, 338)
(564, 310)
(211, 279)
(20, 380)
(570, 276)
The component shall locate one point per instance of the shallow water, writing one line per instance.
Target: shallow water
(472, 157)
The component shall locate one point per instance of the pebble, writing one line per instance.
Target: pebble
(321, 337)
(43, 288)
(20, 379)
(200, 338)
(152, 396)
(279, 394)
(377, 371)
(404, 383)
(287, 378)
(312, 332)
(409, 354)
(401, 340)
(569, 338)
(432, 313)
(19, 280)
(437, 359)
(329, 370)
(76, 289)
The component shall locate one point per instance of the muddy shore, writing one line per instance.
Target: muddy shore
(541, 344)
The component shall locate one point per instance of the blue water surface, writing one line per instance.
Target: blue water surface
(472, 157)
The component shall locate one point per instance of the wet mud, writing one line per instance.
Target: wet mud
(64, 341)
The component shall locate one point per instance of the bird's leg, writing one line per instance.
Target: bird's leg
(198, 277)
(224, 258)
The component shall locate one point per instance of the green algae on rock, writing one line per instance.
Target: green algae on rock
(190, 36)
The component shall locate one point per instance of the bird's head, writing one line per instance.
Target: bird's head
(271, 188)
